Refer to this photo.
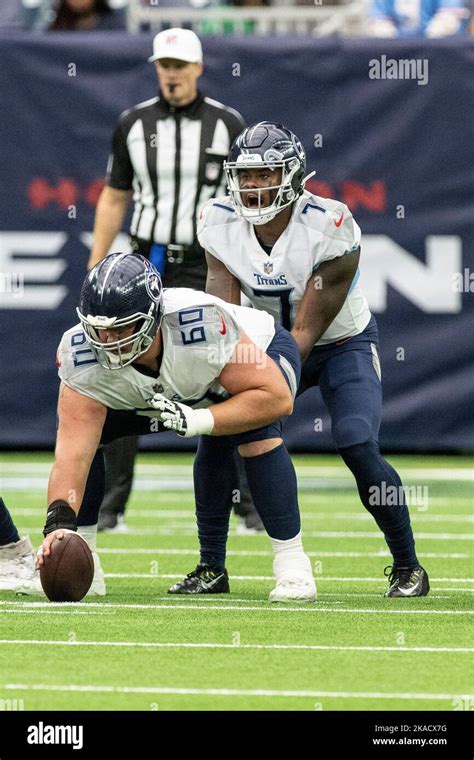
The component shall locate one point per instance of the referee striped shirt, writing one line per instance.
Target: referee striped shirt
(172, 158)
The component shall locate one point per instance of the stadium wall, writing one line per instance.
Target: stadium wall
(386, 126)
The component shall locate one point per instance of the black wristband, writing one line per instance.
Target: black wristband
(60, 515)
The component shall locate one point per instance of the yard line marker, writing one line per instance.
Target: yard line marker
(313, 608)
(234, 692)
(219, 645)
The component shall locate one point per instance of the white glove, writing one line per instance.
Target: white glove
(443, 24)
(382, 27)
(186, 421)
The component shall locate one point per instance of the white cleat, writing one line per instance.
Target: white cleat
(293, 589)
(98, 582)
(18, 571)
(17, 568)
(294, 578)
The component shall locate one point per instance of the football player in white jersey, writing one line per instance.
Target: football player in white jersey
(143, 360)
(297, 256)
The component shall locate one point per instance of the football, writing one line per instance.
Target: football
(67, 573)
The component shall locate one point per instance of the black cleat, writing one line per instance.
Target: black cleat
(203, 580)
(112, 522)
(407, 581)
(250, 524)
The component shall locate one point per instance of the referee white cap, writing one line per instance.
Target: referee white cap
(181, 44)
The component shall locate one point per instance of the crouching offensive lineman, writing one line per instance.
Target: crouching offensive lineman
(145, 360)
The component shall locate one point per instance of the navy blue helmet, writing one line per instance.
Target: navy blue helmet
(272, 146)
(121, 294)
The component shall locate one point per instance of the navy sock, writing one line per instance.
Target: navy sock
(216, 483)
(8, 531)
(272, 483)
(376, 479)
(94, 493)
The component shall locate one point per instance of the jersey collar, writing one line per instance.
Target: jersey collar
(190, 110)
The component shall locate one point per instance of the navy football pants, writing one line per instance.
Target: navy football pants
(348, 377)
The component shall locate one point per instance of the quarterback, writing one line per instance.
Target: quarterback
(296, 255)
(144, 360)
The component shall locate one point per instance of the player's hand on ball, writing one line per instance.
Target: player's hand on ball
(45, 548)
(185, 421)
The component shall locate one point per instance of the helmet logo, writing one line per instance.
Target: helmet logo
(272, 155)
(153, 288)
(249, 158)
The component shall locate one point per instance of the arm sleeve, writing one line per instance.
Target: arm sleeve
(119, 168)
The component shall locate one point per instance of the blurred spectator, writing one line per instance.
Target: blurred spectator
(405, 18)
(86, 15)
(10, 14)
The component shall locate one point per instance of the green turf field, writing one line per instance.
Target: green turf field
(139, 649)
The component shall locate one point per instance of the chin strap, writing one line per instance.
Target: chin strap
(308, 176)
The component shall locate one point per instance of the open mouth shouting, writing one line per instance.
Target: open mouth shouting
(257, 198)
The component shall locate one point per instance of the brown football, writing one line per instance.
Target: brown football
(67, 573)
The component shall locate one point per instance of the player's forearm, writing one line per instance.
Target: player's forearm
(220, 282)
(223, 288)
(67, 481)
(306, 336)
(249, 410)
(110, 213)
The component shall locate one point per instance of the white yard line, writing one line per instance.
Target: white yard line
(382, 554)
(185, 514)
(180, 479)
(17, 611)
(312, 608)
(184, 531)
(209, 645)
(313, 470)
(318, 578)
(367, 534)
(234, 692)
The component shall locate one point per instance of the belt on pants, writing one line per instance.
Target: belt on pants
(174, 254)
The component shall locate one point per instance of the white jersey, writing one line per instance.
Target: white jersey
(199, 334)
(320, 229)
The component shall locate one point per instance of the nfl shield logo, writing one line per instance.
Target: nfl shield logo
(212, 170)
(268, 267)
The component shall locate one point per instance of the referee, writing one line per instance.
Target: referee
(168, 151)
